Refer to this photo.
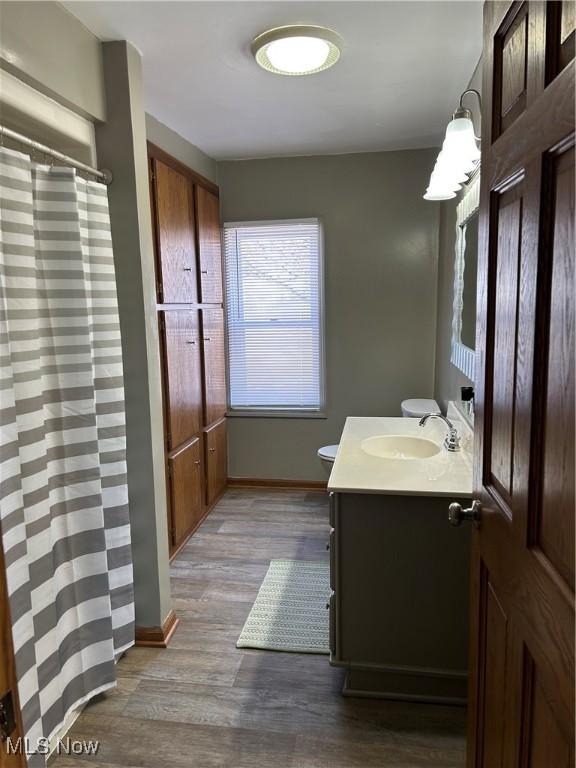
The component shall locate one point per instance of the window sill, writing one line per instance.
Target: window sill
(276, 414)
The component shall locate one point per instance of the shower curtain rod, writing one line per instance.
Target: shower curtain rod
(104, 175)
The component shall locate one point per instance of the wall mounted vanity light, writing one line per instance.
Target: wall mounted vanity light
(458, 157)
(297, 49)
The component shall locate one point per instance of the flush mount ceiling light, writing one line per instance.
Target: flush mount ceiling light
(459, 155)
(297, 50)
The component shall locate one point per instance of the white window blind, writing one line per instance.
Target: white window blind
(274, 315)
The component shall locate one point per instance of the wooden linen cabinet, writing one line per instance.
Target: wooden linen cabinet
(186, 219)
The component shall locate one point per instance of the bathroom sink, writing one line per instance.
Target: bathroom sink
(400, 447)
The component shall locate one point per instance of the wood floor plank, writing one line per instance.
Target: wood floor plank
(178, 745)
(203, 703)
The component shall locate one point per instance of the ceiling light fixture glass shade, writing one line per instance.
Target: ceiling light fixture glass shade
(458, 158)
(297, 50)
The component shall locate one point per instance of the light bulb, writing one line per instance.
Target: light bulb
(298, 55)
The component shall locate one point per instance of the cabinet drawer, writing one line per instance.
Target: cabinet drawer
(332, 504)
(216, 461)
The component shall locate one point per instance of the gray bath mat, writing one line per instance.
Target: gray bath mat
(290, 611)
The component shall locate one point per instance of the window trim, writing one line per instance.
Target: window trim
(283, 413)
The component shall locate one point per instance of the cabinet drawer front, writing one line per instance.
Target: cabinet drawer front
(209, 245)
(214, 365)
(333, 501)
(185, 477)
(183, 376)
(216, 461)
(176, 239)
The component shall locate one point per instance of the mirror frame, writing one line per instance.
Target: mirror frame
(462, 356)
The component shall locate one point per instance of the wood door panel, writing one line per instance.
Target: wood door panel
(214, 365)
(8, 677)
(555, 524)
(185, 476)
(511, 70)
(521, 709)
(545, 743)
(561, 36)
(505, 332)
(216, 461)
(175, 235)
(183, 376)
(495, 624)
(209, 246)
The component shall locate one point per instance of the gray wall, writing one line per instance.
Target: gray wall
(180, 148)
(381, 248)
(50, 49)
(449, 379)
(121, 144)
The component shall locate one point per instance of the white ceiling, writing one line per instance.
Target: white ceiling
(403, 67)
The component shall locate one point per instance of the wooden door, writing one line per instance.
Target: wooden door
(185, 477)
(10, 720)
(216, 461)
(175, 235)
(209, 245)
(214, 365)
(521, 712)
(182, 375)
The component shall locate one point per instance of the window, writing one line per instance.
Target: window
(274, 316)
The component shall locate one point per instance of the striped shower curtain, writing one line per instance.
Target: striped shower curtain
(63, 493)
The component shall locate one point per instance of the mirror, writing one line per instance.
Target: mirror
(468, 332)
(465, 271)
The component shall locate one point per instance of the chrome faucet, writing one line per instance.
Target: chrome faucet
(452, 441)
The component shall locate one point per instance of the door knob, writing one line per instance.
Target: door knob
(457, 515)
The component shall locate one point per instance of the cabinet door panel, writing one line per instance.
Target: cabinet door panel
(183, 370)
(216, 461)
(185, 474)
(176, 237)
(209, 245)
(214, 365)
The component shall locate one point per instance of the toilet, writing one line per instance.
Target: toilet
(413, 409)
(327, 454)
(416, 408)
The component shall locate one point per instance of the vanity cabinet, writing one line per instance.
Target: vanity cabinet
(186, 219)
(399, 603)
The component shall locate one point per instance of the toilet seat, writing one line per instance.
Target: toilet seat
(419, 407)
(328, 452)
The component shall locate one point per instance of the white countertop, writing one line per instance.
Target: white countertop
(354, 471)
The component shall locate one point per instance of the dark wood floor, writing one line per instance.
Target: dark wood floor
(203, 703)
